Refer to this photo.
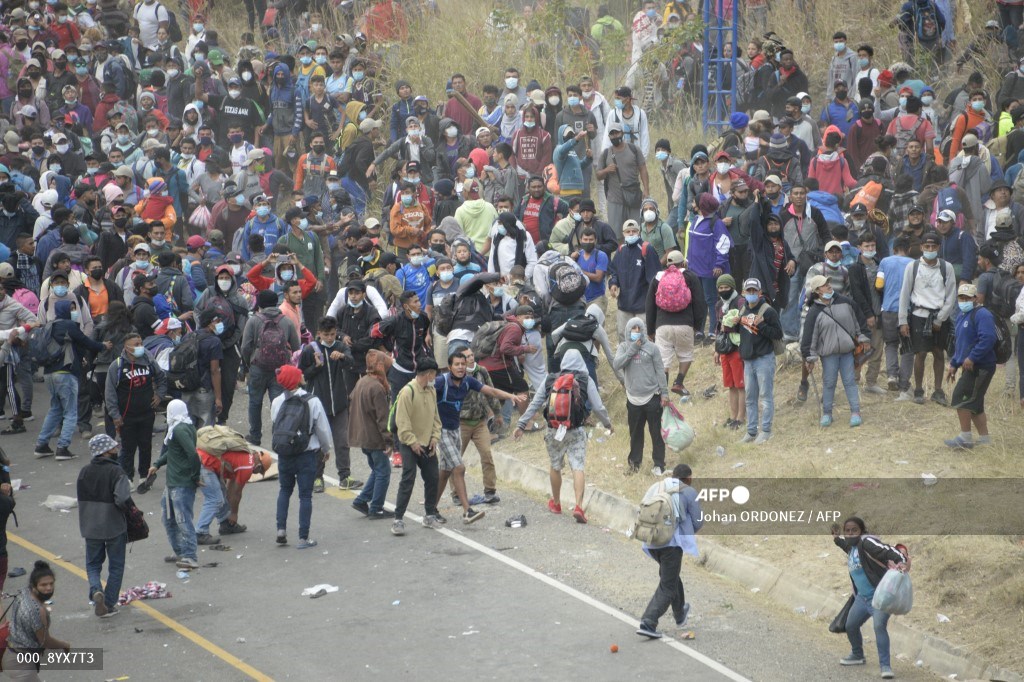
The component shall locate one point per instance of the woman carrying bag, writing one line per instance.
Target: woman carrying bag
(29, 625)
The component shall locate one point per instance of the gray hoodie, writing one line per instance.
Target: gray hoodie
(641, 364)
(254, 330)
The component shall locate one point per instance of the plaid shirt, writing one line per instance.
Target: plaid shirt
(899, 210)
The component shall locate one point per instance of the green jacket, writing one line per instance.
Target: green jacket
(308, 250)
(181, 458)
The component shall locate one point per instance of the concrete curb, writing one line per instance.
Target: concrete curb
(784, 588)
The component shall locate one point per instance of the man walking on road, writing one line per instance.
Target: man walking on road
(103, 494)
(418, 427)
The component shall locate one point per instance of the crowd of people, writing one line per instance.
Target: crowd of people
(183, 226)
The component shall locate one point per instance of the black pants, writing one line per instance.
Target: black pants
(90, 392)
(136, 434)
(670, 593)
(428, 471)
(313, 310)
(637, 416)
(255, 9)
(228, 377)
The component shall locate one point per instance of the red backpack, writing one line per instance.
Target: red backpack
(673, 292)
(566, 406)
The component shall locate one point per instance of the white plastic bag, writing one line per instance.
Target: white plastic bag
(675, 430)
(894, 594)
(60, 502)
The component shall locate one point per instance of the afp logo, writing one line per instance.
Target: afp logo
(740, 494)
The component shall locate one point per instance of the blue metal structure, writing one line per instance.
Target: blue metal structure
(717, 100)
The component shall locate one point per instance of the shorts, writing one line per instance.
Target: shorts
(969, 392)
(509, 379)
(675, 342)
(732, 370)
(573, 446)
(449, 450)
(920, 343)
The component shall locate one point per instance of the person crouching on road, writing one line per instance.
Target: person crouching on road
(565, 435)
(975, 355)
(179, 498)
(670, 592)
(646, 385)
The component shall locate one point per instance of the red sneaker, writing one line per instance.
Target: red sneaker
(578, 514)
(396, 460)
(554, 508)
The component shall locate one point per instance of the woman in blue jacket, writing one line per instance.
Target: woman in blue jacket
(707, 256)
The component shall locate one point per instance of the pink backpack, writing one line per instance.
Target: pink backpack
(26, 298)
(673, 293)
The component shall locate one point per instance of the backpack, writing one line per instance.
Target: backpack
(444, 315)
(1004, 341)
(744, 84)
(566, 407)
(983, 131)
(673, 293)
(868, 195)
(580, 329)
(43, 349)
(550, 175)
(656, 517)
(392, 423)
(183, 364)
(272, 350)
(1005, 291)
(292, 429)
(905, 135)
(926, 22)
(173, 28)
(778, 345)
(566, 283)
(485, 340)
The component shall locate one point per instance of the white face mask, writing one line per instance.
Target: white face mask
(650, 216)
(722, 168)
(451, 131)
(223, 284)
(63, 148)
(554, 101)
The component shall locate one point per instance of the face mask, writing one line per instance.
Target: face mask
(152, 132)
(38, 151)
(218, 328)
(589, 247)
(45, 596)
(632, 239)
(862, 62)
(661, 156)
(634, 336)
(471, 172)
(124, 139)
(577, 217)
(83, 70)
(977, 106)
(76, 316)
(725, 295)
(304, 224)
(574, 101)
(234, 94)
(554, 101)
(839, 47)
(833, 263)
(828, 296)
(287, 275)
(307, 60)
(205, 139)
(198, 56)
(930, 255)
(120, 223)
(63, 148)
(722, 168)
(138, 351)
(406, 200)
(158, 242)
(356, 304)
(198, 28)
(446, 276)
(223, 284)
(96, 273)
(367, 258)
(529, 124)
(841, 94)
(868, 254)
(263, 211)
(615, 140)
(71, 103)
(176, 340)
(56, 167)
(236, 268)
(60, 291)
(867, 114)
(246, 76)
(500, 229)
(752, 298)
(927, 100)
(529, 323)
(416, 261)
(966, 306)
(805, 108)
(358, 75)
(903, 102)
(92, 171)
(620, 105)
(451, 131)
(511, 83)
(414, 315)
(143, 264)
(650, 216)
(499, 292)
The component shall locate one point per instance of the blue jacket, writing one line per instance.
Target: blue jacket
(975, 339)
(840, 116)
(272, 228)
(632, 270)
(400, 110)
(961, 251)
(568, 164)
(709, 246)
(66, 331)
(828, 204)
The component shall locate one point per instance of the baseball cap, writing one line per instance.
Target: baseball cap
(967, 290)
(931, 238)
(816, 281)
(369, 124)
(946, 215)
(916, 208)
(142, 247)
(774, 179)
(969, 140)
(196, 242)
(752, 283)
(859, 209)
(833, 245)
(675, 257)
(371, 224)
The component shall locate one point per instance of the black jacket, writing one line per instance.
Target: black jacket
(860, 290)
(774, 281)
(407, 336)
(758, 345)
(143, 315)
(356, 160)
(878, 555)
(110, 247)
(356, 324)
(328, 379)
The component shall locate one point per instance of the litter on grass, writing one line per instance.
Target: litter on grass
(941, 618)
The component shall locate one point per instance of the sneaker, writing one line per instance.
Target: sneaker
(852, 660)
(887, 673)
(187, 563)
(13, 429)
(763, 437)
(801, 393)
(748, 438)
(554, 508)
(903, 397)
(207, 539)
(111, 612)
(440, 520)
(63, 455)
(361, 507)
(85, 433)
(684, 393)
(686, 614)
(491, 498)
(826, 420)
(382, 514)
(172, 559)
(430, 522)
(578, 514)
(305, 543)
(657, 471)
(42, 450)
(677, 388)
(398, 527)
(893, 384)
(648, 631)
(318, 485)
(471, 515)
(282, 537)
(855, 420)
(940, 398)
(456, 501)
(100, 608)
(26, 416)
(227, 528)
(919, 396)
(396, 461)
(349, 483)
(959, 443)
(874, 389)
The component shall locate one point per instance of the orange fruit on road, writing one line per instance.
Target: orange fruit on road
(614, 648)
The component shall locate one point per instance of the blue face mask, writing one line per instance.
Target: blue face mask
(635, 336)
(661, 156)
(828, 296)
(263, 211)
(499, 291)
(287, 275)
(414, 315)
(966, 306)
(60, 291)
(620, 105)
(529, 323)
(218, 328)
(833, 263)
(303, 224)
(143, 264)
(138, 351)
(76, 316)
(573, 101)
(358, 75)
(632, 239)
(446, 276)
(752, 298)
(406, 200)
(501, 230)
(356, 304)
(240, 199)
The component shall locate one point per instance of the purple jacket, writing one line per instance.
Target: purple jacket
(709, 244)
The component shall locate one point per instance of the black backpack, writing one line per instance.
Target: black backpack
(183, 364)
(173, 28)
(580, 328)
(43, 349)
(1005, 291)
(444, 314)
(292, 429)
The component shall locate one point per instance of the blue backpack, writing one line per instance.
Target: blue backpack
(926, 22)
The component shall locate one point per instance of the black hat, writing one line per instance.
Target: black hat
(266, 299)
(916, 208)
(426, 365)
(588, 205)
(933, 237)
(207, 316)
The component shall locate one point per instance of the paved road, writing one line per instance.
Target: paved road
(483, 601)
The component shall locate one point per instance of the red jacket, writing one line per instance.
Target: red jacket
(306, 282)
(107, 102)
(833, 176)
(508, 347)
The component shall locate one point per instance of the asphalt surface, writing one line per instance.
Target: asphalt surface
(481, 601)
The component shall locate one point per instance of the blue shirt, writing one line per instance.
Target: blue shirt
(891, 270)
(597, 261)
(415, 278)
(860, 578)
(450, 397)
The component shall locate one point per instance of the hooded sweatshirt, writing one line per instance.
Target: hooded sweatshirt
(568, 165)
(285, 116)
(532, 149)
(641, 365)
(476, 217)
(131, 384)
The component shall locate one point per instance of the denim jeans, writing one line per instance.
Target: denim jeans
(300, 469)
(670, 593)
(63, 413)
(710, 286)
(176, 505)
(215, 502)
(790, 317)
(759, 380)
(376, 488)
(260, 381)
(832, 366)
(860, 612)
(96, 551)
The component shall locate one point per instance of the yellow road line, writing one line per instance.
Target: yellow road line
(341, 494)
(185, 632)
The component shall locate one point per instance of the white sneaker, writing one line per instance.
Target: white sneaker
(763, 437)
(657, 471)
(748, 438)
(874, 389)
(904, 397)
